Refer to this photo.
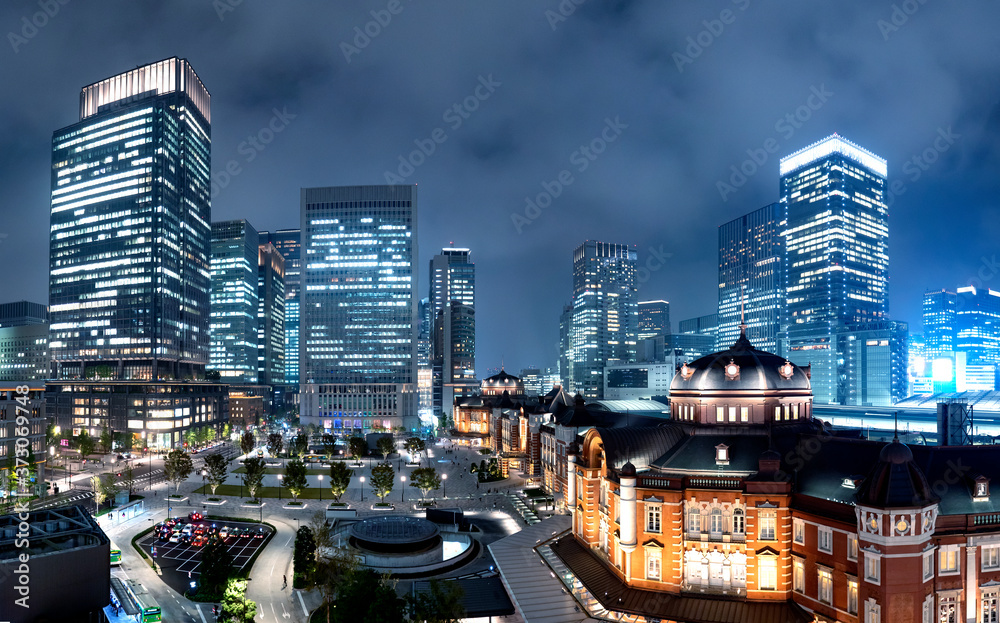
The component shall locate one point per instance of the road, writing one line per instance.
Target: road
(274, 603)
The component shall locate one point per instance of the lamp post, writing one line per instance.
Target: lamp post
(320, 487)
(362, 488)
(204, 474)
(402, 489)
(444, 484)
(279, 486)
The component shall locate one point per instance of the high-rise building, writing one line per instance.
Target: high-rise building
(605, 317)
(565, 346)
(654, 319)
(425, 373)
(453, 324)
(359, 307)
(288, 242)
(977, 325)
(700, 325)
(130, 229)
(837, 256)
(270, 315)
(234, 301)
(23, 313)
(939, 309)
(24, 342)
(751, 277)
(876, 357)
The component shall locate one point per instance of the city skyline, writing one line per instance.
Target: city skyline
(695, 124)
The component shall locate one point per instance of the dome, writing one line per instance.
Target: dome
(742, 367)
(896, 453)
(627, 470)
(895, 481)
(499, 383)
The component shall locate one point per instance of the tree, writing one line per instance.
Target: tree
(201, 435)
(329, 444)
(382, 478)
(247, 443)
(441, 604)
(213, 375)
(322, 534)
(357, 446)
(386, 446)
(369, 597)
(332, 571)
(51, 438)
(191, 438)
(303, 558)
(426, 479)
(177, 467)
(300, 445)
(216, 567)
(125, 441)
(340, 479)
(86, 444)
(106, 439)
(236, 608)
(128, 478)
(295, 478)
(274, 444)
(253, 475)
(217, 467)
(414, 445)
(100, 493)
(227, 431)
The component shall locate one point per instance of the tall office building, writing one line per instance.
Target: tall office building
(605, 317)
(425, 373)
(24, 342)
(565, 348)
(270, 315)
(654, 319)
(876, 358)
(939, 308)
(977, 325)
(837, 256)
(234, 301)
(453, 325)
(359, 307)
(751, 277)
(130, 229)
(288, 242)
(23, 313)
(700, 325)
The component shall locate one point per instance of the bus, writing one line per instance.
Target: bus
(116, 555)
(149, 610)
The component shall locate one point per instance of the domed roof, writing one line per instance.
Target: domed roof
(895, 481)
(502, 378)
(742, 367)
(627, 470)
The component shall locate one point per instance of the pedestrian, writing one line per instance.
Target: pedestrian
(284, 581)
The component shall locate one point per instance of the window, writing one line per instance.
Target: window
(795, 411)
(852, 596)
(873, 612)
(694, 519)
(948, 609)
(824, 590)
(928, 565)
(989, 603)
(732, 414)
(927, 612)
(744, 414)
(716, 522)
(991, 557)
(652, 564)
(652, 518)
(720, 414)
(852, 547)
(799, 531)
(798, 576)
(873, 568)
(825, 538)
(767, 523)
(768, 573)
(948, 559)
(739, 523)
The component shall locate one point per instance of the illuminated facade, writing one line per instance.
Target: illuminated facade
(977, 325)
(837, 255)
(452, 312)
(270, 315)
(359, 309)
(939, 309)
(751, 277)
(24, 342)
(234, 301)
(23, 416)
(130, 229)
(288, 242)
(654, 319)
(604, 322)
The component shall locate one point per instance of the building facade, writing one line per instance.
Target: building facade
(876, 356)
(22, 417)
(270, 315)
(638, 381)
(288, 242)
(452, 313)
(129, 245)
(23, 313)
(24, 353)
(654, 319)
(234, 301)
(751, 277)
(939, 309)
(359, 306)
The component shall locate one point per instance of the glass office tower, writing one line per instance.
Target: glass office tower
(605, 316)
(270, 315)
(358, 318)
(939, 309)
(752, 277)
(654, 319)
(288, 242)
(837, 256)
(130, 233)
(234, 301)
(453, 324)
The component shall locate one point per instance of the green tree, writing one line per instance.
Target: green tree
(236, 608)
(100, 493)
(295, 478)
(253, 476)
(414, 445)
(247, 443)
(300, 445)
(51, 438)
(340, 479)
(426, 479)
(191, 438)
(303, 558)
(382, 478)
(366, 596)
(227, 431)
(217, 467)
(213, 375)
(106, 439)
(125, 441)
(441, 604)
(386, 446)
(201, 436)
(128, 478)
(357, 446)
(86, 444)
(329, 444)
(275, 443)
(322, 533)
(177, 467)
(331, 574)
(216, 568)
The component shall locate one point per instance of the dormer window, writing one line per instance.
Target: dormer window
(982, 489)
(722, 454)
(732, 371)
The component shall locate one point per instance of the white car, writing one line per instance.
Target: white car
(175, 537)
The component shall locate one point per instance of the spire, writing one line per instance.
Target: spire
(895, 426)
(743, 323)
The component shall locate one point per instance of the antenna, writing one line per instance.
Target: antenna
(743, 324)
(895, 425)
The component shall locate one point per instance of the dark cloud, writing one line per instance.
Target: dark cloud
(655, 187)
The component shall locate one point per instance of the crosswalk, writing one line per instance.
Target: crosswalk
(61, 499)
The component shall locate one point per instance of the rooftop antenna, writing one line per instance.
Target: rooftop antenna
(743, 324)
(895, 426)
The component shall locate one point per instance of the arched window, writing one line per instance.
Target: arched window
(694, 519)
(739, 524)
(715, 524)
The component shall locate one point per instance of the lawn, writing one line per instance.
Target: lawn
(277, 470)
(312, 493)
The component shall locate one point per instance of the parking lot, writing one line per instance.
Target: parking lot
(180, 561)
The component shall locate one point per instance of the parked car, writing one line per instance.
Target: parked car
(175, 537)
(199, 541)
(196, 516)
(259, 534)
(224, 533)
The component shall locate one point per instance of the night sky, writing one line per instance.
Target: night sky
(683, 89)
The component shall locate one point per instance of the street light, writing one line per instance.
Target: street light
(320, 487)
(362, 488)
(279, 486)
(204, 489)
(402, 488)
(444, 484)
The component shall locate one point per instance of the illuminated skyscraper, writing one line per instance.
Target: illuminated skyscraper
(939, 310)
(234, 301)
(270, 315)
(359, 307)
(605, 315)
(288, 242)
(130, 229)
(453, 324)
(751, 277)
(977, 324)
(837, 256)
(654, 319)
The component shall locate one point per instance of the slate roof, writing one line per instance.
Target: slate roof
(481, 597)
(758, 370)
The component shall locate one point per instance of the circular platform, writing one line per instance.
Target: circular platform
(395, 533)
